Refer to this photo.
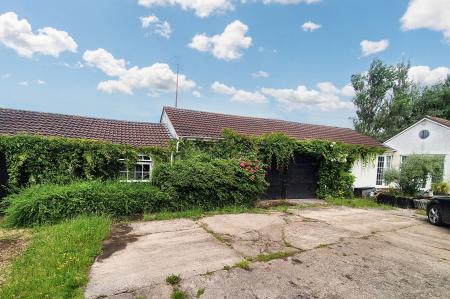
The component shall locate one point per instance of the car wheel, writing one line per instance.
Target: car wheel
(434, 215)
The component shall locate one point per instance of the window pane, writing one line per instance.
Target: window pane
(388, 162)
(146, 171)
(380, 169)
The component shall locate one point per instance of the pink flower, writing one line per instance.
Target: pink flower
(242, 164)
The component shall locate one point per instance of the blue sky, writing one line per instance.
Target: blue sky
(249, 58)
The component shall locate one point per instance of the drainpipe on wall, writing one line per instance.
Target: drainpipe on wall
(177, 150)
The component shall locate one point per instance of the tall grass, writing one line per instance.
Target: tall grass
(57, 261)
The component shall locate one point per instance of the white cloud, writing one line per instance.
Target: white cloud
(156, 25)
(197, 94)
(425, 76)
(326, 97)
(260, 74)
(310, 26)
(348, 91)
(4, 76)
(105, 61)
(18, 35)
(239, 95)
(373, 47)
(227, 45)
(428, 14)
(202, 8)
(157, 77)
(40, 82)
(23, 83)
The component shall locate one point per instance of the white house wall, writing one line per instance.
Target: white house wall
(166, 120)
(408, 143)
(365, 173)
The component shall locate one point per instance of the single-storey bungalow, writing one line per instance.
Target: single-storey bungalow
(175, 124)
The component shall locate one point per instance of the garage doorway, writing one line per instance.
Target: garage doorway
(297, 181)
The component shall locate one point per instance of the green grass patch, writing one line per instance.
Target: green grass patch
(57, 261)
(421, 212)
(362, 203)
(196, 214)
(244, 264)
(173, 279)
(200, 292)
(265, 257)
(178, 294)
(283, 209)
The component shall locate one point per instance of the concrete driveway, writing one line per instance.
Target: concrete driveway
(334, 253)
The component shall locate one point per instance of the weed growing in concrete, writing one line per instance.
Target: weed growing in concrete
(421, 212)
(200, 292)
(265, 257)
(178, 294)
(227, 267)
(173, 279)
(244, 264)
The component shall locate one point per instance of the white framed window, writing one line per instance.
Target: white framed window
(383, 163)
(139, 172)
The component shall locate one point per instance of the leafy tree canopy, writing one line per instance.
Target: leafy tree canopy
(387, 102)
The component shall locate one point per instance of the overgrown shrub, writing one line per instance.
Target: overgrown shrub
(34, 159)
(441, 188)
(49, 204)
(414, 173)
(205, 182)
(336, 158)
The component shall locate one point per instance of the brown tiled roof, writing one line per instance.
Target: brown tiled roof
(49, 124)
(439, 120)
(197, 124)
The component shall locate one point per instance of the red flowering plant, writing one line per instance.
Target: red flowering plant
(253, 169)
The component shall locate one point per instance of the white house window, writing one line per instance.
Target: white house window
(424, 134)
(141, 171)
(384, 162)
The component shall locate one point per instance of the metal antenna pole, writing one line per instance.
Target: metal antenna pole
(176, 90)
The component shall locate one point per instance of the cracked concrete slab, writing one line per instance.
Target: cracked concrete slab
(360, 268)
(159, 249)
(362, 222)
(368, 254)
(305, 233)
(249, 234)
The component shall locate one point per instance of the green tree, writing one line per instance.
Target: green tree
(383, 99)
(434, 101)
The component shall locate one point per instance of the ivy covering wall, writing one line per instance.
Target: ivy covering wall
(336, 158)
(33, 159)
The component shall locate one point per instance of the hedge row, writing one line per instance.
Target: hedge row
(199, 182)
(49, 204)
(35, 160)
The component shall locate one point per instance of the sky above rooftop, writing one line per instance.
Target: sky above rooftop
(286, 59)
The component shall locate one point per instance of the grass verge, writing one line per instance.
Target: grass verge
(200, 213)
(56, 263)
(362, 203)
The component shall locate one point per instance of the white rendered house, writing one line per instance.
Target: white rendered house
(429, 136)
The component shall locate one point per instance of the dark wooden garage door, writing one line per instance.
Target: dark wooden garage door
(299, 180)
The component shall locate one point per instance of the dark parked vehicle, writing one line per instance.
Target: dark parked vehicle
(438, 210)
